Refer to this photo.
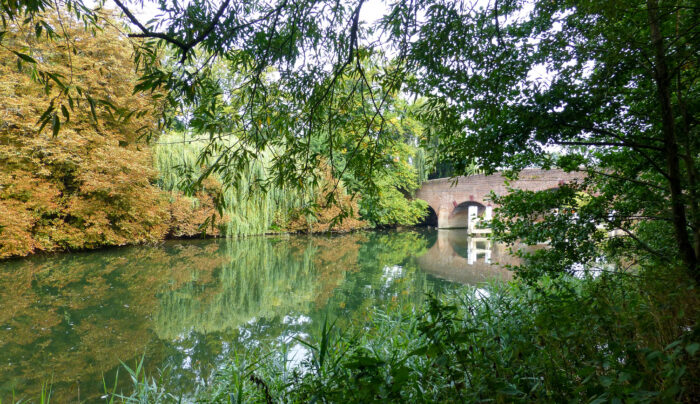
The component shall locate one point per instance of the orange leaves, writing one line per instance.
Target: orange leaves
(186, 215)
(326, 213)
(15, 229)
(93, 184)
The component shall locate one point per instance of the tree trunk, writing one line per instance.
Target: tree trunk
(663, 84)
(690, 166)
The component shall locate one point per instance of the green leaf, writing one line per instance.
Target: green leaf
(92, 107)
(55, 125)
(64, 110)
(672, 345)
(54, 77)
(24, 57)
(45, 116)
(43, 124)
(693, 348)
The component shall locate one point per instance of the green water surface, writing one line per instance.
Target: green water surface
(186, 306)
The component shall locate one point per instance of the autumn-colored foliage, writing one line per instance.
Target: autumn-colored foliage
(324, 215)
(188, 215)
(94, 183)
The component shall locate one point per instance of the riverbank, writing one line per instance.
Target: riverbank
(51, 206)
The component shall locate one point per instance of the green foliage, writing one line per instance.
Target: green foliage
(390, 203)
(598, 87)
(613, 338)
(147, 390)
(390, 207)
(397, 164)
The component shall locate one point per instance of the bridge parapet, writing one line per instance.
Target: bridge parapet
(451, 198)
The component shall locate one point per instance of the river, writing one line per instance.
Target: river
(187, 306)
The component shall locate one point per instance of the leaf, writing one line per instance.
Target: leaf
(692, 348)
(56, 125)
(43, 124)
(672, 345)
(24, 57)
(64, 110)
(45, 116)
(54, 77)
(92, 107)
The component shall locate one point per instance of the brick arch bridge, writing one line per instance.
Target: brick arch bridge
(457, 201)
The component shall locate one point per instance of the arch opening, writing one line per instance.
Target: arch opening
(430, 219)
(460, 215)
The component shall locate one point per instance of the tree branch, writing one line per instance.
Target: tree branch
(617, 177)
(186, 47)
(146, 33)
(644, 245)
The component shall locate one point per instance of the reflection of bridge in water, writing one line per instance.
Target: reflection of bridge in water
(470, 260)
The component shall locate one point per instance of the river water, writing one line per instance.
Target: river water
(68, 319)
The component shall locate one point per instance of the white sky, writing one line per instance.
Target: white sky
(371, 11)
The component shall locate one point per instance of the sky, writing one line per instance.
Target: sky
(371, 11)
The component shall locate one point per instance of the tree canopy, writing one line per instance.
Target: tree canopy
(610, 88)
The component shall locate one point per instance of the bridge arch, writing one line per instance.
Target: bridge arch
(461, 213)
(431, 218)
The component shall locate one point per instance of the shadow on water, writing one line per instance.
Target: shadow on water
(188, 305)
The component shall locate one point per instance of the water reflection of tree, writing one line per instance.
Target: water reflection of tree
(188, 305)
(260, 278)
(72, 317)
(387, 263)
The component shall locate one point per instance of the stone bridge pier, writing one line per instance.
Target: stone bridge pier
(464, 201)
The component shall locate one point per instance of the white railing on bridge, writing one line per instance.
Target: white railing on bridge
(475, 223)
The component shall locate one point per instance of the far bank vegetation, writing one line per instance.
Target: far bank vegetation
(98, 182)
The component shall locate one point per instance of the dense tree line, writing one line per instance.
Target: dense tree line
(619, 101)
